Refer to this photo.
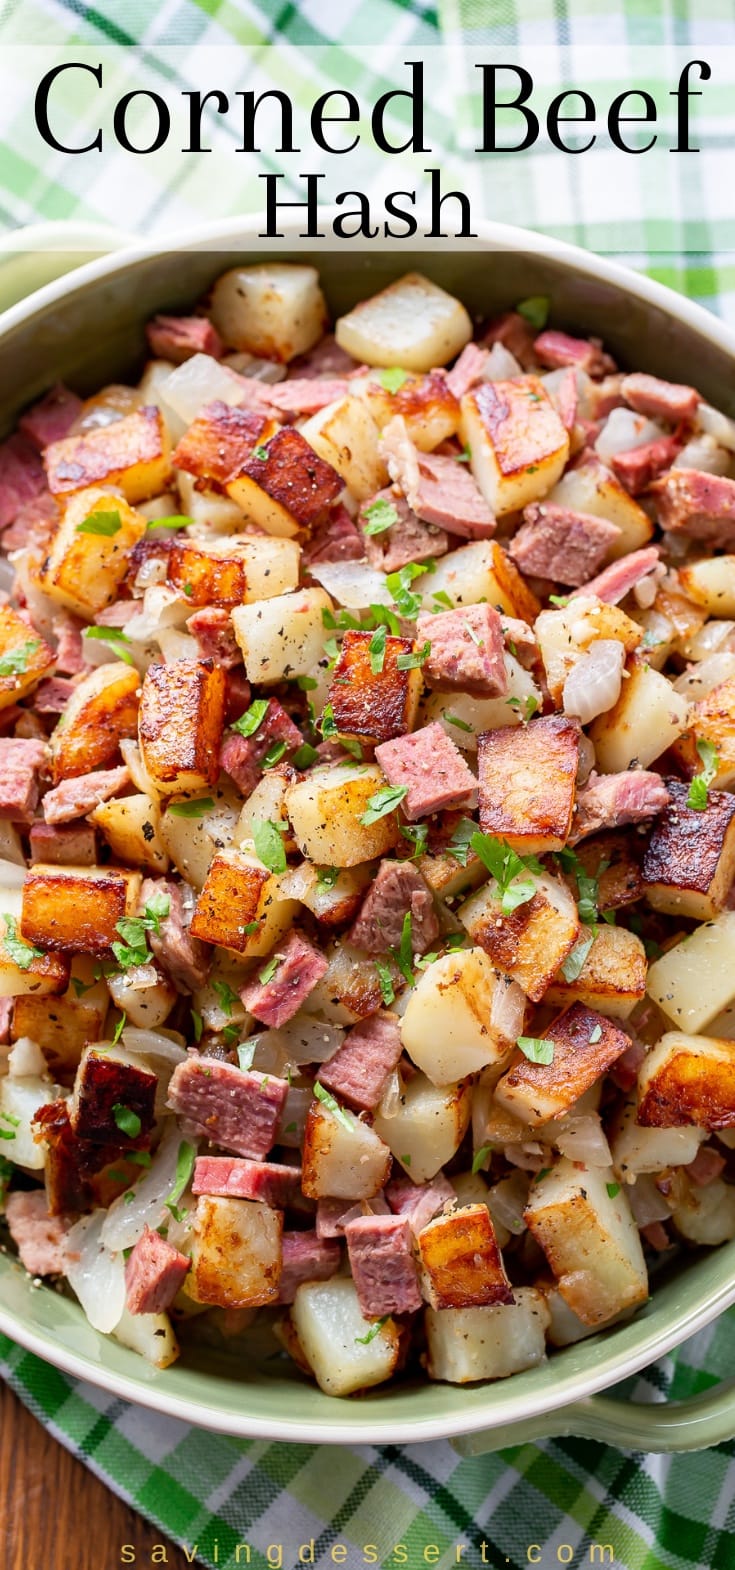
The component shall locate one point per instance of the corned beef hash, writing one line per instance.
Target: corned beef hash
(367, 834)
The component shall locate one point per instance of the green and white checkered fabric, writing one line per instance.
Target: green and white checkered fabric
(571, 1498)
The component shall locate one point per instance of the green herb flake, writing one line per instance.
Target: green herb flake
(412, 662)
(535, 310)
(538, 1049)
(465, 456)
(383, 801)
(417, 835)
(80, 987)
(376, 650)
(21, 953)
(268, 841)
(574, 962)
(15, 662)
(155, 910)
(228, 999)
(454, 719)
(140, 1158)
(253, 717)
(380, 515)
(699, 787)
(442, 598)
(613, 1189)
(274, 754)
(261, 453)
(126, 1120)
(182, 1177)
(333, 1106)
(191, 809)
(198, 1025)
(269, 970)
(374, 1331)
(404, 954)
(306, 683)
(114, 637)
(327, 877)
(133, 949)
(480, 1157)
(560, 600)
(511, 872)
(399, 583)
(304, 756)
(385, 978)
(104, 524)
(406, 1160)
(119, 1028)
(173, 520)
(392, 378)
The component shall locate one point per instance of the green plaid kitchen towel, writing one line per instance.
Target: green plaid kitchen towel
(564, 1501)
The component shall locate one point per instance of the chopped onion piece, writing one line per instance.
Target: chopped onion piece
(96, 1275)
(125, 1222)
(390, 1101)
(26, 1060)
(593, 684)
(500, 365)
(647, 1202)
(582, 1138)
(507, 1201)
(705, 454)
(352, 583)
(155, 1044)
(716, 424)
(700, 679)
(293, 1118)
(623, 431)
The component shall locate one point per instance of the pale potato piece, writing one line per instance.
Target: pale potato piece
(343, 1158)
(695, 980)
(613, 976)
(566, 633)
(152, 1335)
(20, 1099)
(144, 995)
(132, 828)
(565, 1328)
(271, 565)
(711, 583)
(636, 1150)
(475, 572)
(325, 809)
(345, 435)
(236, 1257)
(331, 905)
(461, 1015)
(648, 716)
(479, 714)
(273, 309)
(429, 1126)
(84, 571)
(412, 323)
(518, 445)
(593, 488)
(532, 941)
(687, 1079)
(581, 1218)
(350, 987)
(467, 1344)
(332, 1335)
(213, 514)
(712, 719)
(283, 637)
(707, 1215)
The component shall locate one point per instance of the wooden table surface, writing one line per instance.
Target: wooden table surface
(54, 1513)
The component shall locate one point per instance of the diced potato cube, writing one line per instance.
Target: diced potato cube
(711, 719)
(637, 1150)
(101, 712)
(106, 1080)
(83, 570)
(711, 583)
(180, 723)
(581, 1218)
(33, 657)
(241, 907)
(131, 826)
(285, 485)
(428, 1127)
(565, 634)
(565, 1328)
(24, 971)
(274, 310)
(211, 576)
(213, 514)
(461, 1262)
(151, 1335)
(479, 571)
(461, 1015)
(687, 1079)
(612, 978)
(21, 1098)
(271, 566)
(613, 859)
(695, 980)
(236, 1257)
(647, 718)
(584, 1046)
(77, 908)
(62, 1026)
(343, 1158)
(412, 323)
(144, 994)
(464, 717)
(527, 779)
(326, 808)
(469, 1344)
(592, 488)
(345, 436)
(334, 1338)
(370, 705)
(283, 637)
(517, 442)
(333, 903)
(707, 1215)
(133, 453)
(349, 989)
(430, 410)
(689, 862)
(532, 941)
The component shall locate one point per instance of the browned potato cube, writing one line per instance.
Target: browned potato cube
(518, 444)
(240, 906)
(462, 1264)
(532, 941)
(25, 657)
(612, 978)
(343, 1157)
(284, 486)
(180, 724)
(77, 908)
(134, 453)
(236, 1258)
(219, 442)
(62, 1026)
(688, 1079)
(429, 408)
(689, 862)
(712, 719)
(584, 1044)
(204, 577)
(84, 568)
(614, 861)
(374, 706)
(114, 1097)
(25, 970)
(101, 712)
(527, 777)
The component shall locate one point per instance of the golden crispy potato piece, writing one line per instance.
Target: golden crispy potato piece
(273, 309)
(689, 862)
(430, 410)
(612, 978)
(711, 583)
(77, 908)
(25, 655)
(581, 1218)
(218, 443)
(284, 485)
(517, 442)
(345, 436)
(479, 571)
(614, 861)
(373, 705)
(23, 971)
(584, 1043)
(180, 723)
(688, 1079)
(241, 907)
(62, 1026)
(326, 808)
(527, 778)
(236, 1258)
(106, 1079)
(83, 570)
(648, 717)
(412, 323)
(343, 1158)
(206, 577)
(712, 719)
(134, 453)
(531, 942)
(461, 1262)
(102, 712)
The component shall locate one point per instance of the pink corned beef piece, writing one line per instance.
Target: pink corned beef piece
(338, 539)
(38, 1237)
(300, 966)
(408, 539)
(332, 1215)
(608, 801)
(212, 628)
(468, 369)
(51, 418)
(557, 542)
(238, 694)
(515, 334)
(20, 763)
(184, 958)
(565, 398)
(701, 505)
(22, 476)
(233, 1176)
(70, 657)
(621, 576)
(154, 1272)
(419, 1203)
(52, 695)
(34, 523)
(236, 1110)
(325, 359)
(658, 399)
(448, 495)
(305, 1257)
(242, 756)
(398, 889)
(66, 845)
(430, 767)
(707, 1165)
(358, 1071)
(556, 349)
(177, 338)
(467, 651)
(305, 394)
(638, 468)
(383, 1265)
(76, 797)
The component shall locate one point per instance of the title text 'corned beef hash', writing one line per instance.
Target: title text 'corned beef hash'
(367, 834)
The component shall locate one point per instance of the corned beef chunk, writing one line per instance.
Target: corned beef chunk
(621, 576)
(212, 628)
(51, 418)
(407, 538)
(242, 757)
(38, 1236)
(639, 467)
(237, 1110)
(74, 798)
(397, 890)
(360, 1067)
(184, 958)
(298, 969)
(237, 1178)
(555, 349)
(467, 651)
(154, 1273)
(556, 542)
(177, 338)
(660, 400)
(20, 764)
(306, 1257)
(383, 1265)
(430, 767)
(419, 1203)
(64, 844)
(689, 501)
(22, 477)
(609, 800)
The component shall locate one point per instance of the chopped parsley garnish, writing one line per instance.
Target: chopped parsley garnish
(444, 599)
(227, 998)
(613, 1189)
(459, 844)
(173, 520)
(306, 683)
(260, 452)
(253, 717)
(274, 754)
(115, 637)
(333, 1106)
(126, 1120)
(417, 835)
(269, 970)
(595, 1034)
(699, 788)
(380, 515)
(403, 955)
(80, 987)
(119, 1028)
(133, 948)
(560, 600)
(198, 1024)
(480, 1157)
(465, 456)
(105, 524)
(399, 583)
(21, 953)
(412, 662)
(588, 886)
(385, 978)
(574, 962)
(155, 911)
(383, 801)
(304, 756)
(191, 809)
(268, 841)
(6, 1172)
(454, 719)
(327, 877)
(376, 650)
(374, 1330)
(184, 1168)
(535, 310)
(508, 869)
(15, 662)
(538, 1049)
(392, 378)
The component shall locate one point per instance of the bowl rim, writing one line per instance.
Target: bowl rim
(502, 1409)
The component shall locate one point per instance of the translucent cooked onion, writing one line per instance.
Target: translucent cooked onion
(705, 454)
(26, 1060)
(162, 607)
(7, 576)
(700, 679)
(710, 639)
(623, 431)
(124, 1222)
(390, 1101)
(508, 1009)
(293, 1118)
(507, 1201)
(95, 1274)
(12, 876)
(249, 365)
(716, 424)
(529, 1156)
(647, 1202)
(307, 1040)
(152, 570)
(352, 583)
(176, 645)
(593, 684)
(586, 760)
(500, 365)
(132, 756)
(582, 1138)
(154, 1044)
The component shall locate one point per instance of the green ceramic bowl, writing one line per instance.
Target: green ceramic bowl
(87, 327)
